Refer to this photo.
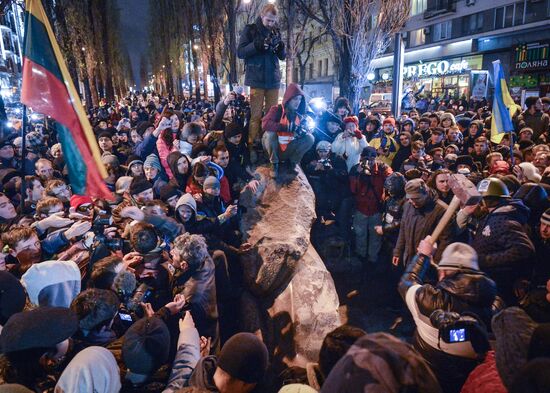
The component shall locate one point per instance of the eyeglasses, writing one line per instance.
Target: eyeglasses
(84, 208)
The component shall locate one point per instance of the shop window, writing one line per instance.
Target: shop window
(442, 31)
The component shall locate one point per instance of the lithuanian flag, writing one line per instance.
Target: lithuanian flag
(49, 89)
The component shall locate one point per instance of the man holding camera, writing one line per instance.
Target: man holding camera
(461, 288)
(367, 186)
(261, 47)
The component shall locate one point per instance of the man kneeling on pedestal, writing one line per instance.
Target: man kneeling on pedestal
(286, 132)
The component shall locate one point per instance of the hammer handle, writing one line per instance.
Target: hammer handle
(453, 206)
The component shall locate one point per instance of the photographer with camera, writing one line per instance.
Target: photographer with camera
(461, 288)
(261, 47)
(367, 186)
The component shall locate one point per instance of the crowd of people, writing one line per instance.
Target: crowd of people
(144, 292)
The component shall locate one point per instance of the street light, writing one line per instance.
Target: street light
(385, 76)
(83, 49)
(370, 76)
(195, 47)
(247, 1)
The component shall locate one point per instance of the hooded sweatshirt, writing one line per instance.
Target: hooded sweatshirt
(178, 180)
(52, 283)
(93, 369)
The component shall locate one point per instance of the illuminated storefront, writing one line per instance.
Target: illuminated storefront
(530, 71)
(441, 78)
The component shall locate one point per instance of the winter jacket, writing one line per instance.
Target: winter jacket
(262, 67)
(349, 148)
(164, 151)
(485, 378)
(539, 122)
(369, 189)
(400, 157)
(187, 356)
(391, 218)
(330, 185)
(386, 143)
(504, 250)
(416, 224)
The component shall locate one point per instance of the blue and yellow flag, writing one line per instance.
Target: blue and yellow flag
(503, 106)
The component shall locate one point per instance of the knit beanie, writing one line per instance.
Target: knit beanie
(389, 120)
(352, 119)
(531, 172)
(458, 256)
(211, 182)
(152, 161)
(324, 146)
(79, 200)
(231, 130)
(104, 134)
(545, 218)
(146, 346)
(244, 357)
(168, 191)
(138, 185)
(513, 330)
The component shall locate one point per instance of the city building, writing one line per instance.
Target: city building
(450, 46)
(11, 26)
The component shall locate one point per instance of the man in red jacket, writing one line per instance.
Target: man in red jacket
(286, 138)
(367, 186)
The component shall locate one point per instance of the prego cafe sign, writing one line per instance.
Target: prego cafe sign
(442, 67)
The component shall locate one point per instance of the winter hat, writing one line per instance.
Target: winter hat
(351, 119)
(531, 172)
(187, 200)
(389, 120)
(458, 256)
(501, 167)
(513, 330)
(369, 152)
(146, 346)
(328, 116)
(324, 146)
(104, 134)
(168, 191)
(231, 130)
(52, 283)
(132, 160)
(466, 160)
(545, 218)
(12, 296)
(416, 188)
(123, 184)
(152, 161)
(297, 388)
(464, 122)
(94, 369)
(95, 306)
(244, 356)
(43, 327)
(79, 200)
(527, 130)
(211, 182)
(409, 121)
(110, 159)
(342, 102)
(447, 116)
(138, 185)
(380, 362)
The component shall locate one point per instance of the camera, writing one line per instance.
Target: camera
(100, 222)
(141, 295)
(454, 327)
(325, 162)
(274, 39)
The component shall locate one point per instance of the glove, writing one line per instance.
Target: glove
(358, 134)
(259, 43)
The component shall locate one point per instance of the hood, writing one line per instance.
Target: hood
(188, 200)
(515, 209)
(93, 369)
(294, 90)
(52, 283)
(173, 159)
(203, 375)
(473, 287)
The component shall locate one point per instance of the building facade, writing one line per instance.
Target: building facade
(450, 46)
(11, 59)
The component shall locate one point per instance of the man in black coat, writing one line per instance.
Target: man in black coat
(261, 47)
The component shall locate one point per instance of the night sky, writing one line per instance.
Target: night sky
(134, 27)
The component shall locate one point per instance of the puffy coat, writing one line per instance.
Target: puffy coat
(368, 190)
(262, 67)
(504, 250)
(349, 148)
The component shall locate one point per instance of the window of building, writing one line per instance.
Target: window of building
(499, 18)
(310, 70)
(442, 31)
(418, 7)
(320, 70)
(326, 67)
(473, 23)
(511, 15)
(417, 38)
(535, 11)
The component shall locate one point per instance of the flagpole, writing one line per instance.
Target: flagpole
(23, 156)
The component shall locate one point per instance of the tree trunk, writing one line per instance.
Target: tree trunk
(196, 76)
(109, 90)
(205, 67)
(232, 26)
(290, 41)
(344, 70)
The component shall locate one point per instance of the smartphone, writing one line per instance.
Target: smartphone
(457, 335)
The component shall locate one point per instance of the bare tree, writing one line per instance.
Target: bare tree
(361, 30)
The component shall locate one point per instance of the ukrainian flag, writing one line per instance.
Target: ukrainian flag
(503, 106)
(48, 89)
